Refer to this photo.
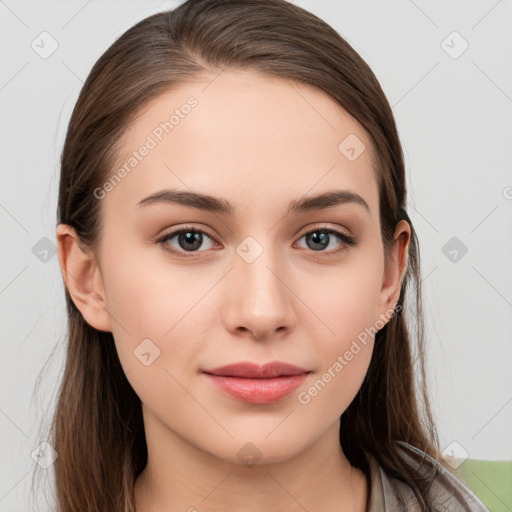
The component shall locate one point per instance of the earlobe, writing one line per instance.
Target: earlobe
(82, 277)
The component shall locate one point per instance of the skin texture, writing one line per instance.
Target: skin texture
(259, 143)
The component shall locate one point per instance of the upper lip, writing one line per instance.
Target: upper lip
(248, 370)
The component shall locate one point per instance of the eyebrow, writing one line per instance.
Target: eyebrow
(218, 205)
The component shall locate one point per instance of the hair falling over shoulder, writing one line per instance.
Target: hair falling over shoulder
(97, 428)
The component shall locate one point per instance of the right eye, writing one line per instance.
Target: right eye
(187, 240)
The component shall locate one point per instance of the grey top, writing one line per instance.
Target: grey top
(447, 493)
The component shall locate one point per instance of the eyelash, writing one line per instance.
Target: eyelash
(348, 241)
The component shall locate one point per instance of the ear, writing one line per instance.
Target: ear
(83, 278)
(394, 269)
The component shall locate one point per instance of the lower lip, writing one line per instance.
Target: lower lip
(258, 391)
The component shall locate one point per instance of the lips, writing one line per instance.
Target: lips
(248, 370)
(249, 382)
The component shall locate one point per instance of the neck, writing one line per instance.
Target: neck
(179, 476)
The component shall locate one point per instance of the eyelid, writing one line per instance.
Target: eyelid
(188, 227)
(324, 227)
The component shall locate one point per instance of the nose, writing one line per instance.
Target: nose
(260, 297)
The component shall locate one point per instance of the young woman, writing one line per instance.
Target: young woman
(236, 254)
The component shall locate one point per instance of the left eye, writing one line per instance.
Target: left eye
(190, 240)
(321, 238)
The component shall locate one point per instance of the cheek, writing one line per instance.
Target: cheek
(148, 294)
(159, 316)
(345, 303)
(342, 300)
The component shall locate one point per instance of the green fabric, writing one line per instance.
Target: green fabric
(491, 481)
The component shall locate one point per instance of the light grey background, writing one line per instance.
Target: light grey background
(454, 118)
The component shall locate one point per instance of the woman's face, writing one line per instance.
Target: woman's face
(263, 282)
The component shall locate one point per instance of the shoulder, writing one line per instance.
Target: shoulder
(447, 492)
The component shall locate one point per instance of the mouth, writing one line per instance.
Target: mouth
(251, 383)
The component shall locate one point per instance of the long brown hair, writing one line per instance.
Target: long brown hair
(97, 429)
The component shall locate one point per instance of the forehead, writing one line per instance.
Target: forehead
(254, 139)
